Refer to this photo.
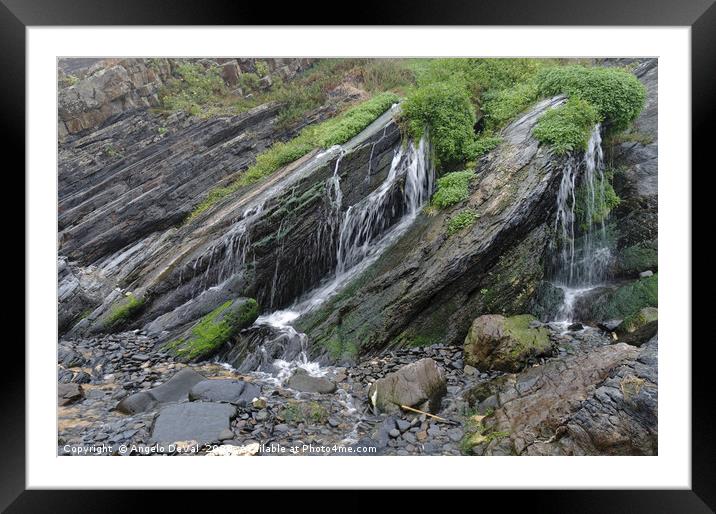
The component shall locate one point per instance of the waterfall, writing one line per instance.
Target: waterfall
(367, 229)
(584, 253)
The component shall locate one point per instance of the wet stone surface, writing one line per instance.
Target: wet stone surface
(281, 420)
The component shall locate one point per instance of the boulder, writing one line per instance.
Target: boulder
(137, 402)
(637, 320)
(421, 385)
(237, 392)
(495, 342)
(642, 334)
(69, 393)
(175, 389)
(302, 381)
(203, 422)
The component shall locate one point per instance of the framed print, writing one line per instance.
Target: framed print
(433, 243)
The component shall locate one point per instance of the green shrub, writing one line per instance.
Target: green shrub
(500, 106)
(452, 188)
(195, 88)
(616, 94)
(567, 127)
(462, 220)
(484, 144)
(445, 109)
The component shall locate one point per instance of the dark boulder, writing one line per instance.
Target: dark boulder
(203, 422)
(302, 381)
(237, 392)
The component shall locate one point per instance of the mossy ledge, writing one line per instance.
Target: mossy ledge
(214, 329)
(123, 311)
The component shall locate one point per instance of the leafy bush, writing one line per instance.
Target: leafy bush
(500, 106)
(462, 220)
(445, 109)
(568, 126)
(616, 94)
(484, 144)
(452, 188)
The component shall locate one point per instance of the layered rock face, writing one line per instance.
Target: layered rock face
(430, 286)
(106, 88)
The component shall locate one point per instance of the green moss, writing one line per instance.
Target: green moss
(605, 199)
(529, 339)
(296, 412)
(637, 258)
(567, 127)
(628, 299)
(638, 320)
(616, 94)
(214, 329)
(462, 220)
(123, 310)
(476, 433)
(452, 188)
(331, 132)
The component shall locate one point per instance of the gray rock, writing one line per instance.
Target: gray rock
(177, 388)
(137, 402)
(645, 274)
(420, 384)
(203, 422)
(69, 393)
(302, 381)
(238, 392)
(394, 433)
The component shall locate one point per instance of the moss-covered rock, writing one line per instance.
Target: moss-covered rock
(213, 330)
(632, 260)
(506, 344)
(637, 320)
(607, 304)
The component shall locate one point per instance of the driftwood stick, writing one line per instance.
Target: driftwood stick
(426, 413)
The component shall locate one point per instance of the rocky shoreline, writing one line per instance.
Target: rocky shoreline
(280, 420)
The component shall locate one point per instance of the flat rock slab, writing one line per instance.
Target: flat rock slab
(301, 381)
(237, 392)
(203, 422)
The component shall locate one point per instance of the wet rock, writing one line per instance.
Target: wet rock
(203, 422)
(69, 393)
(642, 334)
(302, 381)
(238, 392)
(621, 416)
(575, 327)
(531, 406)
(421, 384)
(505, 344)
(637, 320)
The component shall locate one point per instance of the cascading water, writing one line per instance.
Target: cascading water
(366, 230)
(581, 262)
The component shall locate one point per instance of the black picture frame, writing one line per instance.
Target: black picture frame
(700, 15)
